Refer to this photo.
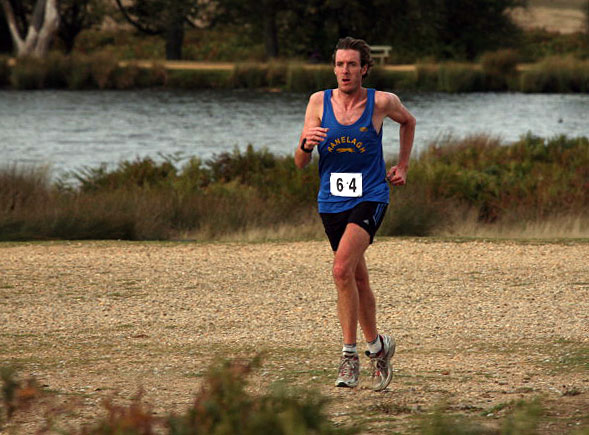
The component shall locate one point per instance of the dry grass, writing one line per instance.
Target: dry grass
(565, 227)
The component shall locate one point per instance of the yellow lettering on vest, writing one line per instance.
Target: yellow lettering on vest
(337, 142)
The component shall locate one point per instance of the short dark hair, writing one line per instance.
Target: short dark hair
(349, 43)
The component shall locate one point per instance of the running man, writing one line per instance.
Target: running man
(345, 124)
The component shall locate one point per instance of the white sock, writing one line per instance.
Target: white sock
(349, 348)
(375, 346)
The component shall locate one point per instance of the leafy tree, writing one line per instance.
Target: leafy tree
(77, 15)
(32, 33)
(415, 28)
(260, 18)
(162, 17)
(470, 28)
(73, 17)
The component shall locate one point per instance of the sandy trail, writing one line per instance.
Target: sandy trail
(478, 324)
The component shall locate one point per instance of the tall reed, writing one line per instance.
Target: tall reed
(102, 70)
(458, 77)
(557, 74)
(500, 70)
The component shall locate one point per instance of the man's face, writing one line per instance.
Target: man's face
(348, 70)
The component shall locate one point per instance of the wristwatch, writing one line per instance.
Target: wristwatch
(305, 149)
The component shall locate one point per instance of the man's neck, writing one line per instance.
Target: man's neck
(349, 100)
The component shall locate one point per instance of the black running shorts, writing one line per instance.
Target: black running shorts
(367, 215)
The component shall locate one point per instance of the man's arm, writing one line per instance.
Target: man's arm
(392, 108)
(313, 134)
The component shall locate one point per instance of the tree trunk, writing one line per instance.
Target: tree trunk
(42, 28)
(270, 30)
(174, 34)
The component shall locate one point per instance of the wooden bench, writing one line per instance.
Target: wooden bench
(380, 53)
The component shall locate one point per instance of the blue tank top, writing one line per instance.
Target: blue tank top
(354, 149)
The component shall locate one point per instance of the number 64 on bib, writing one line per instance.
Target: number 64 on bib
(346, 184)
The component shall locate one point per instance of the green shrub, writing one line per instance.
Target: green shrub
(276, 75)
(23, 190)
(557, 74)
(57, 68)
(223, 405)
(533, 179)
(125, 77)
(457, 77)
(28, 73)
(250, 75)
(524, 418)
(80, 76)
(427, 76)
(323, 78)
(103, 67)
(302, 78)
(298, 79)
(128, 175)
(4, 72)
(500, 69)
(155, 75)
(411, 213)
(384, 79)
(500, 62)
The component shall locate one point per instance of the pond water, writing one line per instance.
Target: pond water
(70, 130)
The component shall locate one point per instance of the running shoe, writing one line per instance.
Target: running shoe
(382, 369)
(349, 371)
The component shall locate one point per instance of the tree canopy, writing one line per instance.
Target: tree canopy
(161, 17)
(439, 28)
(451, 29)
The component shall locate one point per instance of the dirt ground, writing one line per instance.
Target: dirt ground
(479, 325)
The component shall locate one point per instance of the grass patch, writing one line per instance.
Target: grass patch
(574, 359)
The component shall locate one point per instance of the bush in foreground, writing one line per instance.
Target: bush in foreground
(222, 406)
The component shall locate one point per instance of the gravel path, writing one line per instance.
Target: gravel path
(478, 324)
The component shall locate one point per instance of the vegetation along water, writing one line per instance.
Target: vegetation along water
(455, 182)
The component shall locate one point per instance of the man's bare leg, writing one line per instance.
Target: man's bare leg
(367, 303)
(355, 304)
(348, 257)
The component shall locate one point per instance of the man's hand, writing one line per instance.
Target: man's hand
(314, 136)
(397, 175)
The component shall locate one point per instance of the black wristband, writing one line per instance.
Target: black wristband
(305, 149)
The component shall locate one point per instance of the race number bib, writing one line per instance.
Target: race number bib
(345, 184)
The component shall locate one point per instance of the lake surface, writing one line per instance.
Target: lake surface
(70, 130)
